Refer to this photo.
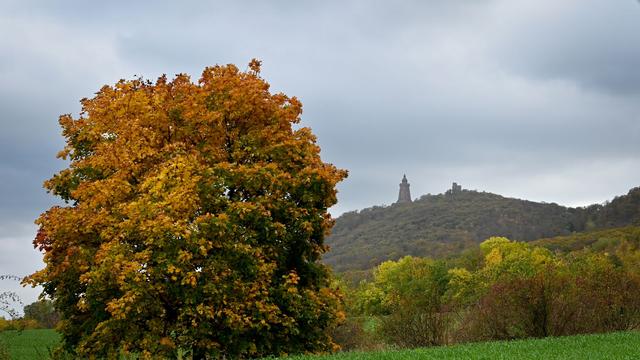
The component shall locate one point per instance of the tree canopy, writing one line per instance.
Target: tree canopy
(195, 220)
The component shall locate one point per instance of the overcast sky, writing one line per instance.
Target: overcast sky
(535, 99)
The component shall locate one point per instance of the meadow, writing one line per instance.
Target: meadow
(621, 345)
(29, 344)
(35, 344)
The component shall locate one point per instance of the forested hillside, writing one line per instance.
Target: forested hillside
(445, 224)
(612, 241)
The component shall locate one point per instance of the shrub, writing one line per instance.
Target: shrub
(351, 335)
(557, 302)
(414, 326)
(511, 309)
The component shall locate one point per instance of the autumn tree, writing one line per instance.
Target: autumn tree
(195, 220)
(408, 296)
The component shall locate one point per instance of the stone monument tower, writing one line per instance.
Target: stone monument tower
(404, 196)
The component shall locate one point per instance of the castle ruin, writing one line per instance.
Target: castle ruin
(404, 195)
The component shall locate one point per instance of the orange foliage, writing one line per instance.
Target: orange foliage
(195, 220)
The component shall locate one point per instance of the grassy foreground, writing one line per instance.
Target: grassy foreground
(623, 345)
(35, 344)
(30, 344)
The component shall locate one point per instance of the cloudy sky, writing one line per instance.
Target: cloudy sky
(535, 99)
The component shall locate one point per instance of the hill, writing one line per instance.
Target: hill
(446, 224)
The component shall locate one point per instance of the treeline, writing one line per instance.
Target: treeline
(499, 290)
(37, 315)
(442, 225)
(610, 240)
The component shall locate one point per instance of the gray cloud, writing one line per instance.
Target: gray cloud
(593, 43)
(531, 99)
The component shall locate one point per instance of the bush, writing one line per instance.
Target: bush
(4, 324)
(515, 291)
(412, 326)
(556, 303)
(513, 309)
(351, 335)
(606, 302)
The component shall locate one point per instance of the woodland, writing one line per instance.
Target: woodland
(499, 290)
(446, 224)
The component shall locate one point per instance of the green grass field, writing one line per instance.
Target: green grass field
(30, 344)
(34, 345)
(625, 345)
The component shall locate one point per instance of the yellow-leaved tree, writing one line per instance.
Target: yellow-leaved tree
(194, 223)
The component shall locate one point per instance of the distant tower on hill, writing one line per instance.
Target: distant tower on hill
(455, 188)
(404, 196)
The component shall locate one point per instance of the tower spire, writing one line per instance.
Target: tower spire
(404, 195)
